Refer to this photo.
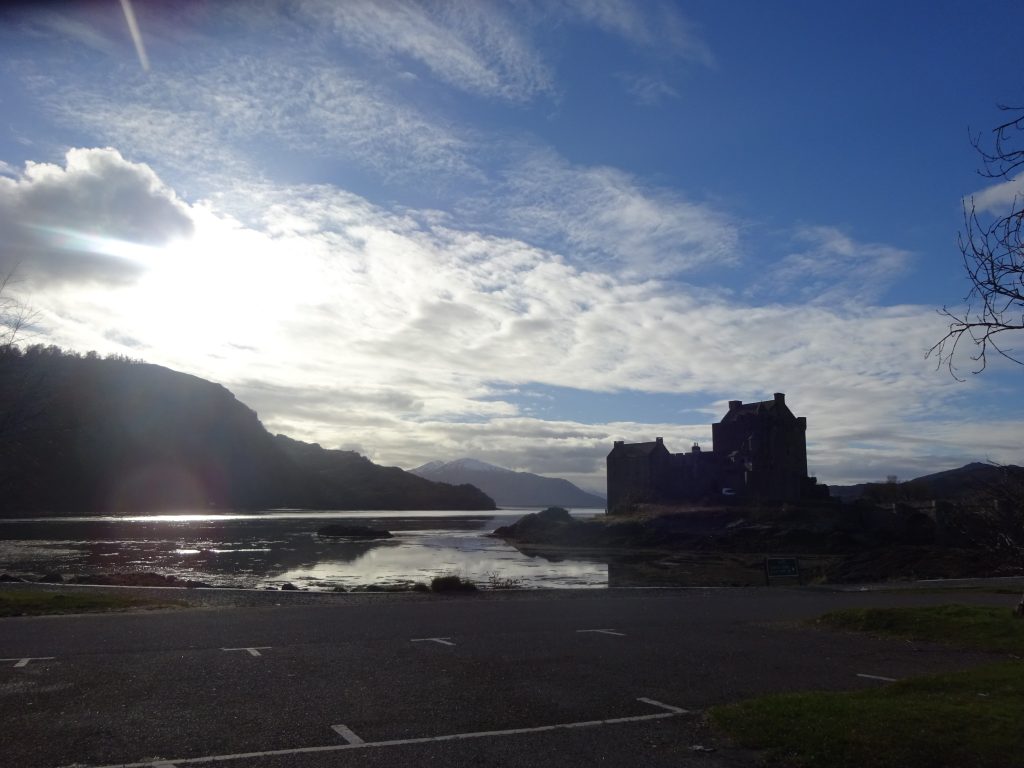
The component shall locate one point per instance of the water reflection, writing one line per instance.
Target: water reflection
(654, 568)
(254, 550)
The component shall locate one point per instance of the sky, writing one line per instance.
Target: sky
(519, 231)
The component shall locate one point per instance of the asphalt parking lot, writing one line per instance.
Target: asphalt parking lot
(598, 678)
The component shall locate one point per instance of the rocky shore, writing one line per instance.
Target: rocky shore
(845, 545)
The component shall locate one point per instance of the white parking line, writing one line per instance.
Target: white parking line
(441, 640)
(252, 651)
(604, 631)
(346, 733)
(672, 712)
(669, 707)
(23, 662)
(879, 677)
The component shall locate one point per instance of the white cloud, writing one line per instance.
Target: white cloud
(324, 110)
(355, 324)
(350, 325)
(603, 218)
(216, 122)
(999, 198)
(655, 25)
(469, 44)
(86, 219)
(834, 268)
(95, 32)
(648, 90)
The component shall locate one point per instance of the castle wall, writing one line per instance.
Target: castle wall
(636, 477)
(770, 443)
(695, 475)
(760, 452)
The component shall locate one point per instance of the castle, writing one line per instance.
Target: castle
(759, 452)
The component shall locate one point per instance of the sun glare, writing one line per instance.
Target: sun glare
(67, 239)
(224, 286)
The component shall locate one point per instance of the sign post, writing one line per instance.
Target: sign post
(781, 567)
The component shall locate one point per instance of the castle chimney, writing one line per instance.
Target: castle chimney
(619, 442)
(696, 448)
(658, 440)
(780, 398)
(734, 404)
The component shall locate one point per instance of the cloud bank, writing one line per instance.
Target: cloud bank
(78, 221)
(308, 217)
(389, 331)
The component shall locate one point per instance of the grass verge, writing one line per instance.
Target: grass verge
(980, 627)
(971, 718)
(44, 603)
(968, 718)
(951, 590)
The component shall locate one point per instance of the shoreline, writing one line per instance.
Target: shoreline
(239, 597)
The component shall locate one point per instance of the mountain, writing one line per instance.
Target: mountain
(509, 488)
(351, 481)
(969, 481)
(81, 435)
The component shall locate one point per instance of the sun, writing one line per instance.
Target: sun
(225, 288)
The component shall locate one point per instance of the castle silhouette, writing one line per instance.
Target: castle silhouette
(759, 453)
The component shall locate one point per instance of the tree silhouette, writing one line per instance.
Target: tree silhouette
(992, 250)
(15, 315)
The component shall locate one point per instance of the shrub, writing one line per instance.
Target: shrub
(452, 583)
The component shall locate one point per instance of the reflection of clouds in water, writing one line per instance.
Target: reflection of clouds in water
(193, 518)
(417, 562)
(257, 550)
(14, 551)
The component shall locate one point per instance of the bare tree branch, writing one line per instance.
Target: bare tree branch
(992, 250)
(17, 316)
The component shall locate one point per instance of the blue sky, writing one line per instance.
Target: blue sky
(519, 231)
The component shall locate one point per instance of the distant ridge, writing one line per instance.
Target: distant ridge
(507, 487)
(962, 482)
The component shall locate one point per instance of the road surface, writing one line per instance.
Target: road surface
(611, 677)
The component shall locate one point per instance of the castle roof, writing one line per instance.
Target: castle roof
(739, 410)
(637, 449)
(765, 406)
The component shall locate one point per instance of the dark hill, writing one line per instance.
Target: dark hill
(351, 481)
(85, 435)
(969, 482)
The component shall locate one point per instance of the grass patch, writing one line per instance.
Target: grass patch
(985, 590)
(43, 603)
(971, 718)
(984, 628)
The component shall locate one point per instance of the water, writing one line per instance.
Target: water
(272, 548)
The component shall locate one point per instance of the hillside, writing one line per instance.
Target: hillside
(509, 488)
(85, 435)
(351, 481)
(962, 483)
